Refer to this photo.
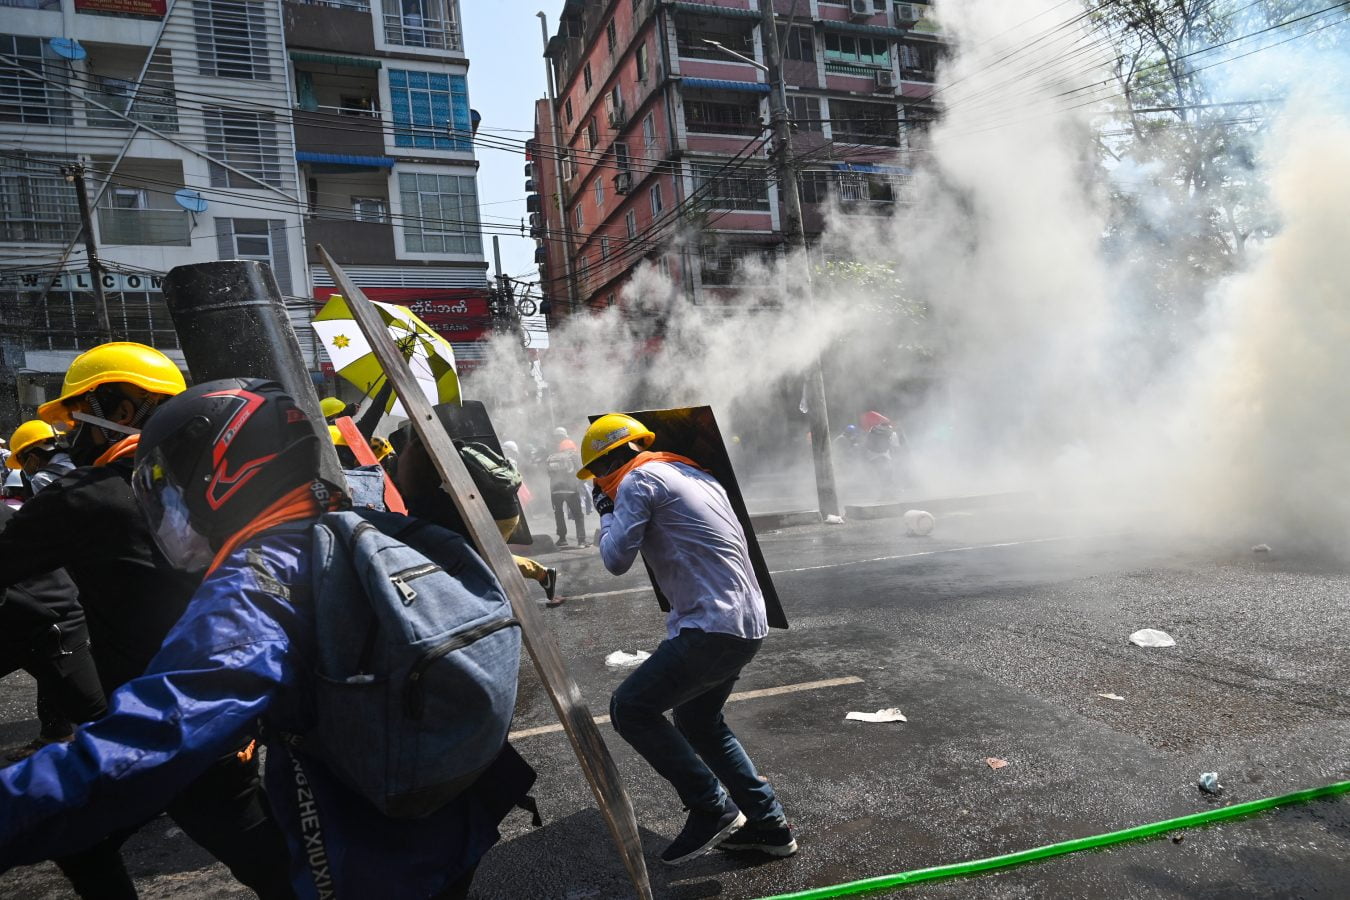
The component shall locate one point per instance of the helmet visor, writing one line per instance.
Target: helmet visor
(161, 499)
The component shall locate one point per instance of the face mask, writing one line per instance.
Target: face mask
(183, 546)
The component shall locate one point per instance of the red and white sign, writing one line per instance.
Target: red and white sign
(457, 314)
(155, 8)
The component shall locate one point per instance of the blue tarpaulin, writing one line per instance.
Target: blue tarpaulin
(718, 84)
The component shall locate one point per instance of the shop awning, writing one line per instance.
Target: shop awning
(343, 159)
(352, 62)
(718, 84)
(855, 28)
(709, 9)
(872, 169)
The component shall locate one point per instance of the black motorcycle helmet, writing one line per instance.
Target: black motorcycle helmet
(214, 457)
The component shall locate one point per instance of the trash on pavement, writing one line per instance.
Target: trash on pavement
(995, 763)
(1261, 548)
(1209, 783)
(622, 660)
(1152, 637)
(892, 714)
(919, 523)
(1111, 696)
(834, 520)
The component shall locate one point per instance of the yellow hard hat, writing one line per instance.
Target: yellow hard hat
(380, 447)
(331, 406)
(34, 431)
(606, 433)
(121, 362)
(336, 435)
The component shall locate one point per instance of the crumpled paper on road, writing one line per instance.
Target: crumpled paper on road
(1152, 637)
(622, 660)
(882, 715)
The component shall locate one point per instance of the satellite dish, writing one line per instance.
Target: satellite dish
(191, 200)
(67, 48)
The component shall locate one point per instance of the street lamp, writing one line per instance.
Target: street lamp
(817, 414)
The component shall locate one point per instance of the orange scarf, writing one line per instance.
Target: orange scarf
(293, 506)
(610, 483)
(125, 447)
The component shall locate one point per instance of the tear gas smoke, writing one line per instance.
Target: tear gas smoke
(1017, 317)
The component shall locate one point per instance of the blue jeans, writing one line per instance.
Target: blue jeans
(693, 673)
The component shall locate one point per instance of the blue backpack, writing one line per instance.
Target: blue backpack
(418, 655)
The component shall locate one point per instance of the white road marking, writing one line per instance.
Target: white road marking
(739, 695)
(854, 562)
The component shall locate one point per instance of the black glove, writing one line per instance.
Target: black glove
(603, 505)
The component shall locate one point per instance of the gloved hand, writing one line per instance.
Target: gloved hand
(603, 505)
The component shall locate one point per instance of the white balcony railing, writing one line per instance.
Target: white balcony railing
(422, 31)
(153, 227)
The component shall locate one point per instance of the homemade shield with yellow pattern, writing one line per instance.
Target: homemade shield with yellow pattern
(429, 355)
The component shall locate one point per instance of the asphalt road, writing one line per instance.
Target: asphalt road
(995, 636)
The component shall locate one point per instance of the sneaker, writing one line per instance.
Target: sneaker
(770, 838)
(583, 544)
(560, 543)
(551, 587)
(701, 833)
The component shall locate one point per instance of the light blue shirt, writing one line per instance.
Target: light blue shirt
(681, 521)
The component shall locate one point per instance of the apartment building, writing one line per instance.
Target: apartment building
(228, 129)
(663, 112)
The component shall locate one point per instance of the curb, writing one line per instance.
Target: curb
(936, 505)
(769, 521)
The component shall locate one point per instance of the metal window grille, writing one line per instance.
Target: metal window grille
(232, 39)
(440, 213)
(66, 320)
(423, 23)
(804, 112)
(30, 91)
(746, 190)
(37, 204)
(245, 140)
(713, 117)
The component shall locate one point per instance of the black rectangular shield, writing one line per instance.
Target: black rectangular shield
(471, 422)
(692, 431)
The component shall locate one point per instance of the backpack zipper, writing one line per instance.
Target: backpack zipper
(412, 688)
(400, 580)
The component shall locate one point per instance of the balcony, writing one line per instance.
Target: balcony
(422, 31)
(154, 105)
(351, 241)
(326, 128)
(145, 227)
(334, 26)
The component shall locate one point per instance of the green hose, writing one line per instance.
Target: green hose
(956, 870)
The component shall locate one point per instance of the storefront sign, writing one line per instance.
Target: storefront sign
(456, 314)
(126, 7)
(36, 282)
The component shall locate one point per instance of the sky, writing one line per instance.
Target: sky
(506, 76)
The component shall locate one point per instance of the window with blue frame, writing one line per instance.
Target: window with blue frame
(427, 107)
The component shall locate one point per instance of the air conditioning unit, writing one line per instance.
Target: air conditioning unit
(623, 182)
(908, 13)
(617, 118)
(860, 9)
(885, 80)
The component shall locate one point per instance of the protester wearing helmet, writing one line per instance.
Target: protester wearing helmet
(561, 464)
(679, 518)
(228, 477)
(38, 453)
(87, 522)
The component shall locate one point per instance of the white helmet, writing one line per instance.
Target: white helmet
(14, 479)
(510, 447)
(560, 432)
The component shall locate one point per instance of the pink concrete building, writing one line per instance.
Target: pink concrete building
(665, 139)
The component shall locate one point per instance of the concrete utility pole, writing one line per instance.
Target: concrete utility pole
(75, 175)
(817, 414)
